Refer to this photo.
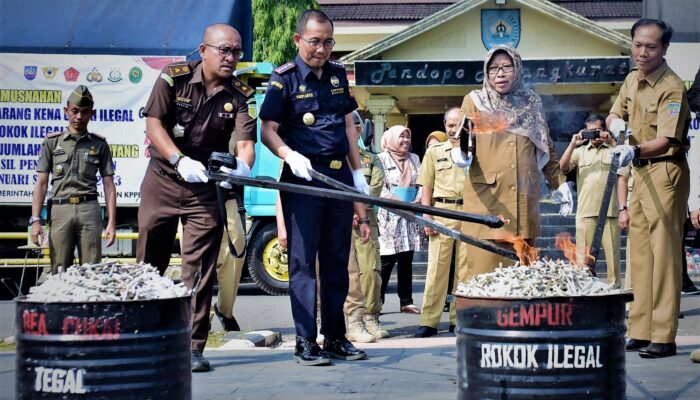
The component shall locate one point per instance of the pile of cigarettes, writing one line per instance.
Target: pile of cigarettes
(106, 282)
(544, 278)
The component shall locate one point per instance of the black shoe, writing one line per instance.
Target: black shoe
(229, 324)
(446, 307)
(307, 352)
(681, 315)
(690, 289)
(636, 344)
(342, 349)
(425, 331)
(199, 363)
(451, 329)
(658, 350)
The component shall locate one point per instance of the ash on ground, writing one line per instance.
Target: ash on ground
(106, 282)
(545, 278)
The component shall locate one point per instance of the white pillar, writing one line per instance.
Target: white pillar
(379, 106)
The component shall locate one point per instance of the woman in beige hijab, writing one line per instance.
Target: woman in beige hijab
(510, 152)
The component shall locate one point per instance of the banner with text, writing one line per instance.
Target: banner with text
(33, 91)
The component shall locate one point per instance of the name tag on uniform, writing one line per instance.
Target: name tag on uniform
(225, 115)
(337, 91)
(441, 159)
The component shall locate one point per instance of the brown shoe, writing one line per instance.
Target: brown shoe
(410, 309)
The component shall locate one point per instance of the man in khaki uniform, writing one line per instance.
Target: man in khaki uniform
(229, 267)
(73, 158)
(653, 100)
(592, 163)
(443, 184)
(363, 303)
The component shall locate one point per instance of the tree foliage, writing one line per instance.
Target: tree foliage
(274, 24)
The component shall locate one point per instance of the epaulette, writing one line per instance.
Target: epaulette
(285, 67)
(98, 136)
(54, 134)
(243, 88)
(337, 64)
(179, 69)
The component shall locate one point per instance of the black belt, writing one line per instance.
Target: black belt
(74, 199)
(332, 162)
(449, 201)
(642, 162)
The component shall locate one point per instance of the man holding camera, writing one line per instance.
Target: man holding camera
(193, 111)
(590, 153)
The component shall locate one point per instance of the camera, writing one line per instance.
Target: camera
(591, 134)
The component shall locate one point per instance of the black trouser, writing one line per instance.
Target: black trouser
(687, 283)
(404, 274)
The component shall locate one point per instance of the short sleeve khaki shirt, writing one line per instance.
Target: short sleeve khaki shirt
(439, 172)
(592, 166)
(655, 106)
(73, 162)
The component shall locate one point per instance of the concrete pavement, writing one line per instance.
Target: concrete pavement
(399, 367)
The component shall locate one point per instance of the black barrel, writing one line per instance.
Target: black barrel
(104, 350)
(550, 348)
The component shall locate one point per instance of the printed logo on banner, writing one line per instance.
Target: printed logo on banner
(71, 74)
(500, 27)
(94, 76)
(30, 72)
(135, 75)
(49, 72)
(114, 75)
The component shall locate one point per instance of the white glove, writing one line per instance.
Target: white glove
(626, 153)
(242, 169)
(299, 165)
(617, 127)
(191, 170)
(358, 177)
(564, 195)
(460, 159)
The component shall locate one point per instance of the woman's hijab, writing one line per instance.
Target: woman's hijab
(437, 135)
(390, 144)
(522, 105)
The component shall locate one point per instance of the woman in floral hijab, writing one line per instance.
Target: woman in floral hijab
(511, 150)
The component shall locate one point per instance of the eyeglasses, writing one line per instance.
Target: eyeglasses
(507, 69)
(316, 43)
(226, 51)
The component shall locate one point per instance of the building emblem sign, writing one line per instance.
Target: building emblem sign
(500, 27)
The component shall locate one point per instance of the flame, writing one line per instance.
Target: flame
(526, 253)
(488, 123)
(563, 242)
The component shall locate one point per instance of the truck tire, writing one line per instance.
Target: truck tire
(267, 261)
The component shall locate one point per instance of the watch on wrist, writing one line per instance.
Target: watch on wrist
(622, 208)
(637, 152)
(175, 158)
(364, 221)
(34, 219)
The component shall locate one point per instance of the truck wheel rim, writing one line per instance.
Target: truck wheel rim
(274, 261)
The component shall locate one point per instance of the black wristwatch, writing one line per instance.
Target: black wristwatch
(363, 221)
(637, 152)
(621, 208)
(34, 219)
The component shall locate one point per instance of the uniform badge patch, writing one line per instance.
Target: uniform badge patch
(308, 119)
(335, 81)
(228, 107)
(278, 85)
(92, 151)
(252, 109)
(168, 79)
(674, 106)
(302, 88)
(178, 131)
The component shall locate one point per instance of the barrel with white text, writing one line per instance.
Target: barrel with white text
(104, 350)
(546, 348)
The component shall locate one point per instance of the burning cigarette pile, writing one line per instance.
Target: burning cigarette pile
(106, 282)
(544, 278)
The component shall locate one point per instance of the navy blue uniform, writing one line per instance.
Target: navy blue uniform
(315, 226)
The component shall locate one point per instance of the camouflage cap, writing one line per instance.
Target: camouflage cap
(81, 97)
